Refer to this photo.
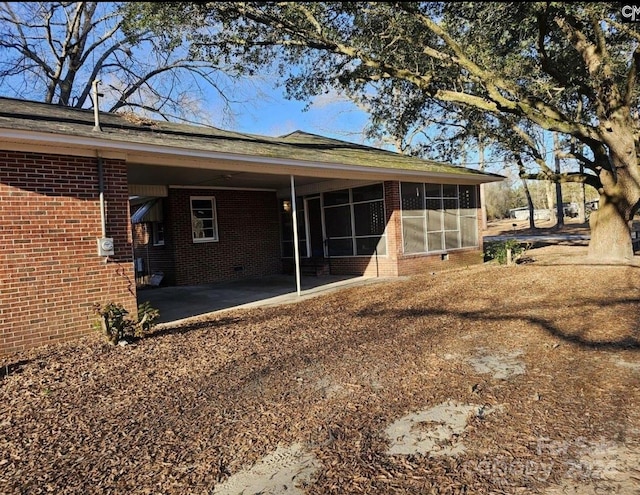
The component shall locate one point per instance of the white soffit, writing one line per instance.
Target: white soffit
(148, 190)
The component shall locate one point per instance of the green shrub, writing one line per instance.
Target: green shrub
(146, 317)
(117, 325)
(498, 250)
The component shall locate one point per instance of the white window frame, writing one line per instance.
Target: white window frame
(214, 219)
(307, 227)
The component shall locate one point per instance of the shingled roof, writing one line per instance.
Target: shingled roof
(128, 128)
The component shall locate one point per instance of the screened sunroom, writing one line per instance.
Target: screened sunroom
(376, 226)
(438, 217)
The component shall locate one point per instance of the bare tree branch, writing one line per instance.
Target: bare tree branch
(55, 50)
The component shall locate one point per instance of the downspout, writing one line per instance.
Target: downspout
(97, 128)
(103, 220)
(296, 250)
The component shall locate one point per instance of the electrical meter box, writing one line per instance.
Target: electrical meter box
(105, 246)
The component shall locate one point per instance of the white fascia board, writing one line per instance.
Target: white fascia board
(221, 188)
(142, 153)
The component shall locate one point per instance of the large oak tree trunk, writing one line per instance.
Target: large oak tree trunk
(619, 199)
(610, 234)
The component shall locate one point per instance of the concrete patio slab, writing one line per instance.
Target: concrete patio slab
(179, 304)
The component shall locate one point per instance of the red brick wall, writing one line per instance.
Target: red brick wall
(50, 271)
(373, 266)
(248, 230)
(414, 264)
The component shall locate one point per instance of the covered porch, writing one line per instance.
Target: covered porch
(253, 217)
(231, 206)
(323, 207)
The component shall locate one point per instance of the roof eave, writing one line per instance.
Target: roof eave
(184, 157)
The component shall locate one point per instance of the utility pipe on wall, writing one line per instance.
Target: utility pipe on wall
(103, 220)
(105, 246)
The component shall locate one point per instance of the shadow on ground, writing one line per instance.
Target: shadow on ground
(176, 304)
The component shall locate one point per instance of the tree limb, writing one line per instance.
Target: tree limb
(545, 61)
(632, 77)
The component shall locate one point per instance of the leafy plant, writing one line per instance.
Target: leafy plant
(498, 251)
(147, 315)
(117, 325)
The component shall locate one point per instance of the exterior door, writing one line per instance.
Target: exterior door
(314, 224)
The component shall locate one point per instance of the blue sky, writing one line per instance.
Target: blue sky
(280, 116)
(263, 109)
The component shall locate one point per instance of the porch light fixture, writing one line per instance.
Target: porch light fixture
(286, 205)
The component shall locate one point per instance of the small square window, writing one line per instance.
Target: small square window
(158, 233)
(204, 221)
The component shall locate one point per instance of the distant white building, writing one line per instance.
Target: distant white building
(523, 214)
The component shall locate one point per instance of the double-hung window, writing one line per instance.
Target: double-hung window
(204, 221)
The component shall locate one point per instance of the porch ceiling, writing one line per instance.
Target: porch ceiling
(200, 177)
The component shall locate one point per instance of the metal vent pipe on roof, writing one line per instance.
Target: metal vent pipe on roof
(96, 104)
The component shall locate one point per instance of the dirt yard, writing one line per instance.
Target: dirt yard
(482, 380)
(512, 226)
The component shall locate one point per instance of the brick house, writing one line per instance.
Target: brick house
(202, 205)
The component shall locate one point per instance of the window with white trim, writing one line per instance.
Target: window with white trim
(438, 217)
(204, 221)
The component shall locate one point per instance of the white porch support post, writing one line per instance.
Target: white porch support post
(296, 250)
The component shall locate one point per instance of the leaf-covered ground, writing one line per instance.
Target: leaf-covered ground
(543, 358)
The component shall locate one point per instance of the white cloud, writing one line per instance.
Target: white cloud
(325, 100)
